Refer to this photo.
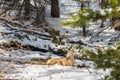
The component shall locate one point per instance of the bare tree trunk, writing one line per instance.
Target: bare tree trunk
(27, 9)
(41, 15)
(102, 24)
(84, 27)
(82, 4)
(84, 31)
(40, 11)
(55, 11)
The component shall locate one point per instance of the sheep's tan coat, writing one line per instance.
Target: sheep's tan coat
(68, 61)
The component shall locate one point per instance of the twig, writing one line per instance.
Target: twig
(88, 70)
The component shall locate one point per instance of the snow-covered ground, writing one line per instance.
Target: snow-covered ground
(11, 68)
(42, 72)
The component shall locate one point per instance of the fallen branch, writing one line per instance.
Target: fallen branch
(76, 42)
(30, 31)
(5, 53)
(97, 34)
(11, 21)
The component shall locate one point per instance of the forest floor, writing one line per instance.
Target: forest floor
(25, 50)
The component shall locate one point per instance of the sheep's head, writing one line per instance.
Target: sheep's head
(70, 54)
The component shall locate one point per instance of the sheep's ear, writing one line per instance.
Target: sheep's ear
(70, 47)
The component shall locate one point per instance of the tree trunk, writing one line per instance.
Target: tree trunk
(40, 11)
(102, 24)
(82, 4)
(84, 31)
(55, 11)
(41, 15)
(27, 9)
